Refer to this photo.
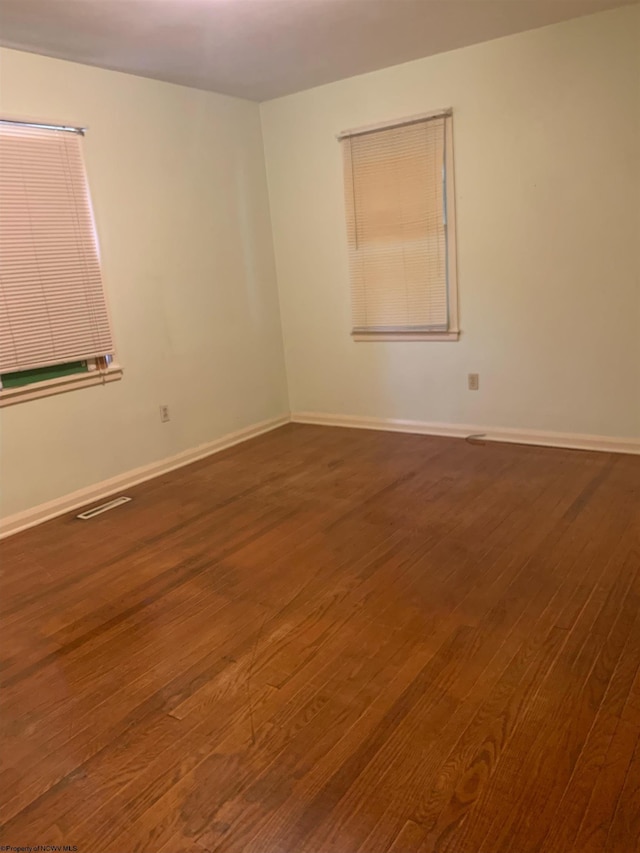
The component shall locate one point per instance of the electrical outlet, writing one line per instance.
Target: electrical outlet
(473, 381)
(164, 414)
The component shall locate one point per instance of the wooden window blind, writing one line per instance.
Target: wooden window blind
(395, 181)
(52, 303)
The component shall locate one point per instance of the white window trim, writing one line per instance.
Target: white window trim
(452, 239)
(453, 332)
(94, 375)
(35, 390)
(449, 335)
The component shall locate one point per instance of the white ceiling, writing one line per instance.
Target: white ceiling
(261, 49)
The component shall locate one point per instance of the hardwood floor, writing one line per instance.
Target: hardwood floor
(332, 640)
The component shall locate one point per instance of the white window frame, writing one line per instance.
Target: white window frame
(97, 373)
(50, 387)
(452, 333)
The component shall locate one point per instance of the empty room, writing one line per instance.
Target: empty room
(320, 426)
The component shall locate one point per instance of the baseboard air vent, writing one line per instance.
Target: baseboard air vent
(97, 510)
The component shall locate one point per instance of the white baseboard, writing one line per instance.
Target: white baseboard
(573, 441)
(36, 515)
(30, 517)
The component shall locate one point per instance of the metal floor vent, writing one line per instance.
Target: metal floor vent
(97, 510)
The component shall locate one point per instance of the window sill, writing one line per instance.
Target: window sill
(406, 336)
(10, 396)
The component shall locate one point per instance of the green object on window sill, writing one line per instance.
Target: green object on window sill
(41, 374)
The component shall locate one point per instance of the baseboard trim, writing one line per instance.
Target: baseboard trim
(99, 491)
(44, 512)
(572, 441)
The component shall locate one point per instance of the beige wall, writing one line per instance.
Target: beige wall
(547, 153)
(180, 198)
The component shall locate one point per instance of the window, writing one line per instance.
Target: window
(55, 332)
(399, 199)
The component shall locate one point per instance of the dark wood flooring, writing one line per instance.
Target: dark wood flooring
(332, 641)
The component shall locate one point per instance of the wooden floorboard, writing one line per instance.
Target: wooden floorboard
(332, 640)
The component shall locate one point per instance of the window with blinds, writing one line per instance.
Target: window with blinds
(398, 183)
(53, 310)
